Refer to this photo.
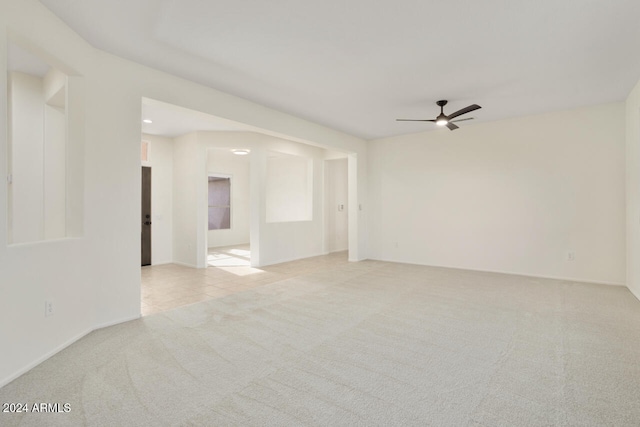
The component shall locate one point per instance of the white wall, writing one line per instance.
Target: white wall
(65, 271)
(336, 205)
(187, 166)
(223, 161)
(161, 163)
(55, 154)
(94, 278)
(513, 196)
(633, 189)
(288, 188)
(286, 241)
(38, 157)
(55, 172)
(27, 157)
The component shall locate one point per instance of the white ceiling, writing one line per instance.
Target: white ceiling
(357, 65)
(172, 121)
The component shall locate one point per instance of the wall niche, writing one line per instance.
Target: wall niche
(43, 157)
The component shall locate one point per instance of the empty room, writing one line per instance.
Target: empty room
(319, 213)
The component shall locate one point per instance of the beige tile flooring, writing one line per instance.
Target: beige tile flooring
(168, 286)
(229, 256)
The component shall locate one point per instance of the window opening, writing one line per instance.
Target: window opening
(219, 203)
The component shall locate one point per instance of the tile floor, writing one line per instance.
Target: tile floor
(168, 286)
(230, 256)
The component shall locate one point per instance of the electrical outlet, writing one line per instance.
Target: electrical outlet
(48, 308)
(571, 256)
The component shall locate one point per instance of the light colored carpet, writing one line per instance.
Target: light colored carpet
(359, 344)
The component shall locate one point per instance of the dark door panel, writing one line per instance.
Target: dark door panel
(146, 216)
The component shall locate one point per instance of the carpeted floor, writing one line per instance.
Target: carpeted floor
(369, 343)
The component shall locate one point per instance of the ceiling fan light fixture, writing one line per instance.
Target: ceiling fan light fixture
(443, 119)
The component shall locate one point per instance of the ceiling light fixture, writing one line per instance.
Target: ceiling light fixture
(441, 120)
(148, 121)
(241, 151)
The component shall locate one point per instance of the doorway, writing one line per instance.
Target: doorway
(146, 217)
(228, 210)
(336, 205)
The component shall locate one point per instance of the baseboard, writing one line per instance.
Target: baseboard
(117, 322)
(513, 273)
(280, 261)
(338, 250)
(563, 278)
(184, 264)
(232, 245)
(61, 347)
(43, 358)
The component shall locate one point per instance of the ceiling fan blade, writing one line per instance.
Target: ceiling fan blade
(451, 126)
(465, 110)
(413, 120)
(462, 120)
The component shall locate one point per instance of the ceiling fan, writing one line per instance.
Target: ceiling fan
(444, 120)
